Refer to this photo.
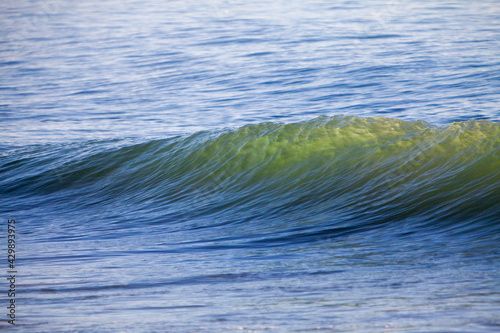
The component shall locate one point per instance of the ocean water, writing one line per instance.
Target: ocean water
(264, 166)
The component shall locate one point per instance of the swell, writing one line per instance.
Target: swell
(341, 168)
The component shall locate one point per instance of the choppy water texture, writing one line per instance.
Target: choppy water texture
(185, 167)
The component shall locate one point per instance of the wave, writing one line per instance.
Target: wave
(347, 170)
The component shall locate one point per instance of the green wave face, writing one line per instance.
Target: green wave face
(363, 164)
(369, 145)
(368, 168)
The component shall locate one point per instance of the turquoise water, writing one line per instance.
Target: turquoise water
(222, 166)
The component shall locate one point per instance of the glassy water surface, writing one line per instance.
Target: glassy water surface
(264, 166)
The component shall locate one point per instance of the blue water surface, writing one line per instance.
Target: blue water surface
(101, 69)
(145, 201)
